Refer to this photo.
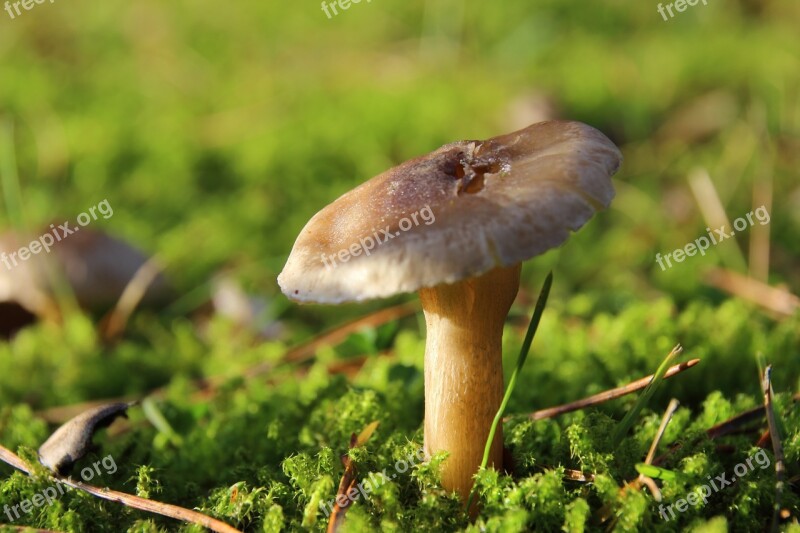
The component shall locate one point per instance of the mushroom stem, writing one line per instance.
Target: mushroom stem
(464, 371)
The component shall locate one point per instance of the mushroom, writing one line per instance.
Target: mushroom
(96, 266)
(455, 226)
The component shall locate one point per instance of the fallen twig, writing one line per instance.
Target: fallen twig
(114, 323)
(349, 479)
(605, 396)
(736, 423)
(128, 500)
(728, 427)
(24, 529)
(303, 352)
(780, 302)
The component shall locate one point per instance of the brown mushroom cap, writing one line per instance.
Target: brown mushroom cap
(97, 266)
(485, 204)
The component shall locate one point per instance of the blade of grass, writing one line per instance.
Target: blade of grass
(622, 428)
(713, 211)
(671, 408)
(523, 354)
(644, 472)
(156, 417)
(62, 300)
(9, 178)
(655, 472)
(777, 446)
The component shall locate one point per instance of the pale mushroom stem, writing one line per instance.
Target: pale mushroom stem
(464, 371)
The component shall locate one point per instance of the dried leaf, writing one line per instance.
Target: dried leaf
(69, 443)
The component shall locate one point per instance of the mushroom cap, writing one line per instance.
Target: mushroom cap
(97, 267)
(455, 213)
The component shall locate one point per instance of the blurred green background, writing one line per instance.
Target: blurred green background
(217, 130)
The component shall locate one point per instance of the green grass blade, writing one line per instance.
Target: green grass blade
(622, 428)
(159, 421)
(523, 354)
(656, 472)
(9, 178)
(761, 361)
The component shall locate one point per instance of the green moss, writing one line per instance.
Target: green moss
(266, 457)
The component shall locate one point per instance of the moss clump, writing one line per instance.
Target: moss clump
(265, 456)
